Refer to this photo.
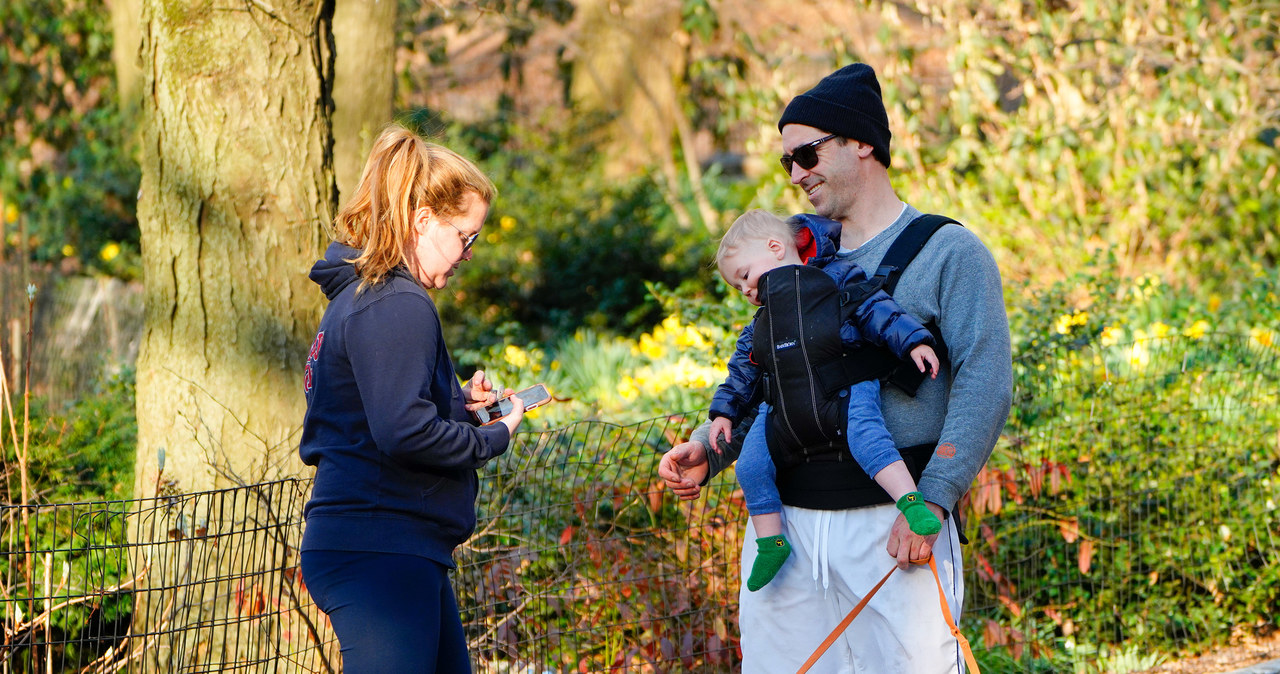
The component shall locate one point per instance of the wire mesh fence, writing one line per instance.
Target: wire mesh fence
(213, 587)
(1129, 510)
(584, 562)
(83, 328)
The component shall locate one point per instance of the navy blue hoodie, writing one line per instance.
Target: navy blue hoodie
(394, 448)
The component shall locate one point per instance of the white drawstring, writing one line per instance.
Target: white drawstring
(821, 545)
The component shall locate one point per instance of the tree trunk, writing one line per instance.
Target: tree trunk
(237, 183)
(126, 40)
(626, 67)
(364, 32)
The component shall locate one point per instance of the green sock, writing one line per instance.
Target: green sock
(921, 520)
(772, 552)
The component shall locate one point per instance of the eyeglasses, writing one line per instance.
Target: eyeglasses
(467, 239)
(806, 155)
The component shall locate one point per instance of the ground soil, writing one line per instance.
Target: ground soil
(1249, 652)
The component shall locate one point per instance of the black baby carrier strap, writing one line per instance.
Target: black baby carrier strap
(876, 362)
(807, 373)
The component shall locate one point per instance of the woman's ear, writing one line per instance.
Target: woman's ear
(421, 218)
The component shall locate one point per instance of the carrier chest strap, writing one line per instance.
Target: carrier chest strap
(901, 252)
(877, 363)
(905, 248)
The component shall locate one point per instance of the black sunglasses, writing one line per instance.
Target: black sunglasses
(806, 155)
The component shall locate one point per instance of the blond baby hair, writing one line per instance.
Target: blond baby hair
(755, 225)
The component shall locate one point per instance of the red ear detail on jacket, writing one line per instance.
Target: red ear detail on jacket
(806, 245)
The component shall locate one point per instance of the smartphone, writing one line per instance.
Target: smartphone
(534, 396)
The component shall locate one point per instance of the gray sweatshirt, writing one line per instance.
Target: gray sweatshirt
(954, 282)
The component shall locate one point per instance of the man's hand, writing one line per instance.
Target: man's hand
(908, 547)
(684, 467)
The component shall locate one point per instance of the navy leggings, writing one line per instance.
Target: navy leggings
(392, 613)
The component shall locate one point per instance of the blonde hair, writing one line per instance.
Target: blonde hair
(755, 225)
(403, 173)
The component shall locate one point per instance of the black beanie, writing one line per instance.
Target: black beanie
(848, 104)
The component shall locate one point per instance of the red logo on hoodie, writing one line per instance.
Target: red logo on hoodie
(308, 376)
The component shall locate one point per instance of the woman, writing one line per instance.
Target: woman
(387, 424)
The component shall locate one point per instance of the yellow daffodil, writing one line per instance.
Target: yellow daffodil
(1198, 329)
(516, 356)
(1262, 337)
(1139, 355)
(10, 213)
(110, 252)
(507, 223)
(1068, 322)
(627, 389)
(651, 348)
(1110, 335)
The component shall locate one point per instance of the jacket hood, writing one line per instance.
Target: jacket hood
(819, 238)
(333, 272)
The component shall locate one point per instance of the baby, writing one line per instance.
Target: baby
(757, 243)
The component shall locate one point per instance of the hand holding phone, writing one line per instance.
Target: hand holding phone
(480, 391)
(534, 396)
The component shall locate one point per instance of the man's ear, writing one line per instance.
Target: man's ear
(864, 150)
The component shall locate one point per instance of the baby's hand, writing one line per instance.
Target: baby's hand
(926, 360)
(721, 426)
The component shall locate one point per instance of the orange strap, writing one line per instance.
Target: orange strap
(946, 613)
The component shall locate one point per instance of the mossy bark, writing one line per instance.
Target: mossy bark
(364, 83)
(237, 188)
(237, 185)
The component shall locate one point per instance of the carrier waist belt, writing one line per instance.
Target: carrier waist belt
(840, 485)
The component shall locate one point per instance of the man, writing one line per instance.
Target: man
(835, 142)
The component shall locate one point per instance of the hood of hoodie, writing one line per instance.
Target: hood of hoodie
(333, 272)
(825, 232)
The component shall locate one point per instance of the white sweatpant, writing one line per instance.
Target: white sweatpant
(837, 556)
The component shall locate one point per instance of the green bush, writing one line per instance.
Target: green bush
(65, 169)
(566, 246)
(86, 453)
(1065, 128)
(70, 537)
(1130, 506)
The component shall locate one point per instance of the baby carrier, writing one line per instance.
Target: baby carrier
(807, 373)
